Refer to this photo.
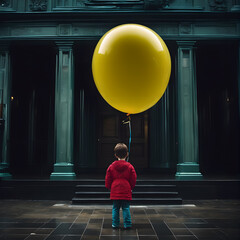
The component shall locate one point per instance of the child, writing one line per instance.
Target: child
(121, 179)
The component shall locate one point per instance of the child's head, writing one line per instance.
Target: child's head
(121, 151)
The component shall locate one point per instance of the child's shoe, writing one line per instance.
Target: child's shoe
(115, 227)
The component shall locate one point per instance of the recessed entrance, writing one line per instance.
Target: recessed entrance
(111, 131)
(99, 126)
(32, 110)
(218, 107)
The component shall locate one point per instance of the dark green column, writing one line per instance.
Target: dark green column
(64, 98)
(86, 157)
(159, 133)
(5, 99)
(239, 78)
(188, 166)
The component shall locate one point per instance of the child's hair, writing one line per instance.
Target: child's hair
(121, 150)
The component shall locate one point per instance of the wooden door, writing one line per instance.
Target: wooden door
(111, 131)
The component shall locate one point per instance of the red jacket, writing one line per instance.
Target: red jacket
(120, 179)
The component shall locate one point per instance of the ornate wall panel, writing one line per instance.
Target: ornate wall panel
(33, 30)
(8, 5)
(210, 29)
(119, 5)
(38, 5)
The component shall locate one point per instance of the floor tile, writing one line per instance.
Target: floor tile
(194, 220)
(37, 237)
(78, 226)
(128, 238)
(89, 237)
(96, 220)
(50, 225)
(20, 225)
(94, 226)
(148, 238)
(203, 234)
(161, 229)
(167, 237)
(225, 223)
(18, 231)
(128, 232)
(199, 225)
(142, 225)
(151, 211)
(55, 237)
(232, 233)
(63, 228)
(180, 231)
(186, 237)
(109, 237)
(110, 231)
(3, 219)
(91, 232)
(44, 230)
(70, 237)
(14, 237)
(175, 225)
(146, 231)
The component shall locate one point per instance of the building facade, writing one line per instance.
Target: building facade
(55, 124)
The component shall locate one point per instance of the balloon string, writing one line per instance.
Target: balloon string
(128, 120)
(130, 138)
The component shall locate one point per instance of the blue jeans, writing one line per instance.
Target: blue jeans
(117, 204)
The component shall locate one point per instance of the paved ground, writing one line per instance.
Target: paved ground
(52, 220)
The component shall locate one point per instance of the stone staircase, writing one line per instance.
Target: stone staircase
(150, 192)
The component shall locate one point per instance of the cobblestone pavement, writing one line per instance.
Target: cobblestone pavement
(53, 220)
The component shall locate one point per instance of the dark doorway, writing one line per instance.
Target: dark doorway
(32, 111)
(111, 131)
(218, 107)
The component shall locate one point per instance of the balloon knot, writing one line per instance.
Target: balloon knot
(127, 120)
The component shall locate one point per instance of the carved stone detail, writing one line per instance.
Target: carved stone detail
(114, 4)
(156, 4)
(185, 28)
(65, 29)
(38, 5)
(217, 5)
(4, 3)
(80, 3)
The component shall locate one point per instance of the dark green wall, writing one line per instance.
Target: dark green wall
(34, 32)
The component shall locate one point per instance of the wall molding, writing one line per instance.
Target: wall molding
(74, 31)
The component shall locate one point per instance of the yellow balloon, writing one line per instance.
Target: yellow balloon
(131, 67)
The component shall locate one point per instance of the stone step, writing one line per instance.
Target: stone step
(135, 194)
(90, 191)
(135, 201)
(142, 188)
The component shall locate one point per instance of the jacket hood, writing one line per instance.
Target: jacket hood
(120, 165)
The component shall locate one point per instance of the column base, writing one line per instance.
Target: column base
(63, 171)
(4, 174)
(188, 171)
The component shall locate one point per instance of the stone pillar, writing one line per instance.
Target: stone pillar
(5, 99)
(238, 83)
(239, 78)
(82, 121)
(86, 131)
(187, 167)
(64, 98)
(160, 134)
